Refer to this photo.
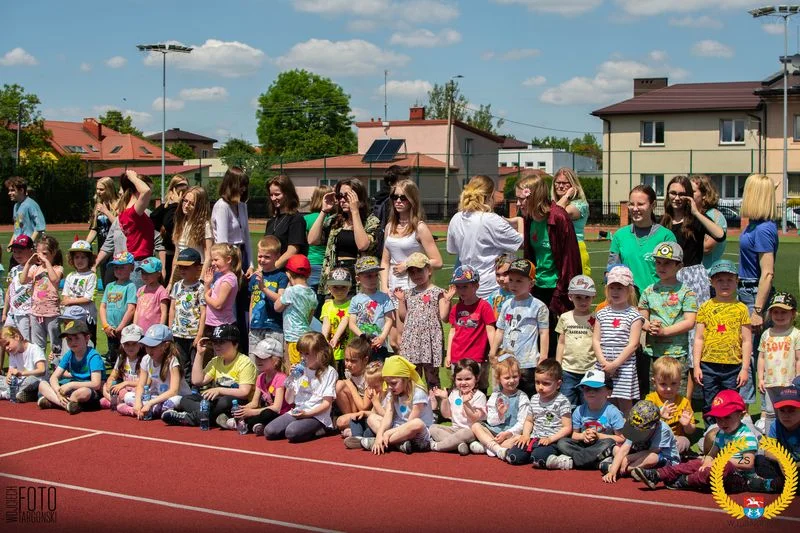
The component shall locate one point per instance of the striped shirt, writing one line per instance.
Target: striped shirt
(742, 432)
(615, 326)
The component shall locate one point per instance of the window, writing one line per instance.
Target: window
(75, 149)
(467, 146)
(328, 182)
(794, 184)
(797, 127)
(145, 150)
(656, 181)
(729, 185)
(529, 164)
(731, 131)
(204, 154)
(374, 187)
(116, 149)
(503, 164)
(652, 133)
(93, 148)
(542, 164)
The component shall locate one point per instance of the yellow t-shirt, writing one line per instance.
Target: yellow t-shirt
(335, 314)
(241, 371)
(722, 338)
(682, 404)
(578, 352)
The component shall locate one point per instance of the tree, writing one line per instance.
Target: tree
(303, 115)
(589, 147)
(560, 143)
(439, 97)
(116, 121)
(482, 119)
(17, 106)
(182, 150)
(238, 153)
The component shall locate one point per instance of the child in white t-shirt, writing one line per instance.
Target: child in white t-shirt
(26, 363)
(465, 406)
(575, 329)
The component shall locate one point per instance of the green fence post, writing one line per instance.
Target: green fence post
(630, 169)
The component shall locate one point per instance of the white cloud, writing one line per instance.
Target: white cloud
(18, 57)
(657, 55)
(406, 89)
(63, 113)
(204, 94)
(534, 81)
(254, 102)
(613, 82)
(515, 54)
(116, 62)
(703, 21)
(360, 114)
(355, 57)
(362, 26)
(363, 8)
(563, 7)
(423, 38)
(657, 7)
(171, 104)
(140, 118)
(230, 59)
(773, 28)
(711, 48)
(387, 11)
(222, 133)
(85, 67)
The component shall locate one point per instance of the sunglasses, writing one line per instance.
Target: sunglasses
(401, 197)
(561, 184)
(341, 196)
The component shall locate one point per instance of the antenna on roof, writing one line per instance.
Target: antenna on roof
(385, 100)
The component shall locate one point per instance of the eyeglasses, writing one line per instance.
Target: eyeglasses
(676, 193)
(341, 196)
(396, 197)
(561, 183)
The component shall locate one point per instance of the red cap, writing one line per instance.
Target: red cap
(725, 403)
(298, 264)
(22, 241)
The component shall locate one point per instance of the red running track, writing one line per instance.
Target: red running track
(116, 472)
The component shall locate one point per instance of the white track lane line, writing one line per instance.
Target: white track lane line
(56, 443)
(394, 471)
(171, 505)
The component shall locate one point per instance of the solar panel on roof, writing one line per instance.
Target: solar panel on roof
(383, 150)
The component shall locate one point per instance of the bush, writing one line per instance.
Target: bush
(592, 187)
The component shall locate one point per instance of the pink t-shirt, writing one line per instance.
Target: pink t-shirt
(148, 303)
(139, 233)
(267, 390)
(226, 315)
(45, 295)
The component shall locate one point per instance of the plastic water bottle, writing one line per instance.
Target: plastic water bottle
(298, 370)
(13, 388)
(146, 398)
(241, 425)
(205, 415)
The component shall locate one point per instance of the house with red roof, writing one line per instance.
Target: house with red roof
(203, 146)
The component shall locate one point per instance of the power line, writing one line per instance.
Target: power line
(504, 119)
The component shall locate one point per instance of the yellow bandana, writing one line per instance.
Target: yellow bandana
(398, 366)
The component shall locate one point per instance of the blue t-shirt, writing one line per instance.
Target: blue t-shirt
(82, 369)
(262, 310)
(370, 311)
(788, 439)
(663, 440)
(718, 251)
(28, 217)
(758, 238)
(607, 420)
(520, 321)
(117, 297)
(301, 301)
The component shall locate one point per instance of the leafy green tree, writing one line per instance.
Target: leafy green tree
(116, 121)
(303, 115)
(439, 97)
(482, 119)
(240, 153)
(589, 147)
(560, 143)
(182, 150)
(17, 106)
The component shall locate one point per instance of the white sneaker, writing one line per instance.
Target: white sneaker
(502, 453)
(477, 448)
(559, 462)
(5, 395)
(463, 448)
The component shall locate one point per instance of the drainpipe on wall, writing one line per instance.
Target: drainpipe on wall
(608, 184)
(760, 133)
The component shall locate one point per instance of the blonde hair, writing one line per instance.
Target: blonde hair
(477, 195)
(508, 365)
(270, 244)
(707, 190)
(573, 181)
(315, 206)
(174, 182)
(417, 215)
(230, 251)
(9, 332)
(109, 196)
(631, 295)
(668, 367)
(196, 220)
(758, 198)
(537, 203)
(315, 343)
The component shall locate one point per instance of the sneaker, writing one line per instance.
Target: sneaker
(347, 432)
(5, 395)
(680, 483)
(760, 484)
(406, 448)
(434, 446)
(605, 465)
(477, 448)
(28, 395)
(558, 462)
(351, 443)
(501, 453)
(125, 409)
(105, 404)
(648, 476)
(44, 403)
(176, 418)
(73, 408)
(608, 451)
(222, 422)
(258, 429)
(463, 448)
(367, 443)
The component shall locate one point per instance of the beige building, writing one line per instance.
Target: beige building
(771, 94)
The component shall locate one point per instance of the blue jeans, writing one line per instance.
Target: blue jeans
(747, 295)
(570, 387)
(717, 377)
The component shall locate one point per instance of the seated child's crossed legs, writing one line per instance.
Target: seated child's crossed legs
(643, 459)
(414, 430)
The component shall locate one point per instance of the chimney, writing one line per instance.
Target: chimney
(645, 85)
(93, 128)
(416, 113)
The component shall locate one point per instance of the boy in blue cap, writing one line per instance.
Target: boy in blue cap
(119, 304)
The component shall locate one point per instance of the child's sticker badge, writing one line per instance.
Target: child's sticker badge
(459, 401)
(403, 409)
(304, 382)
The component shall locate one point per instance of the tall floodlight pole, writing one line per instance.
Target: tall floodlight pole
(449, 94)
(163, 49)
(783, 12)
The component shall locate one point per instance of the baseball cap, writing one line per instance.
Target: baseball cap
(669, 250)
(621, 275)
(266, 348)
(596, 379)
(725, 403)
(783, 300)
(123, 258)
(367, 263)
(81, 246)
(340, 277)
(74, 312)
(583, 285)
(151, 265)
(225, 332)
(73, 327)
(787, 397)
(641, 422)
(722, 266)
(299, 264)
(524, 268)
(188, 257)
(417, 260)
(22, 241)
(131, 333)
(156, 334)
(464, 274)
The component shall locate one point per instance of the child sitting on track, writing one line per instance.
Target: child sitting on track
(466, 405)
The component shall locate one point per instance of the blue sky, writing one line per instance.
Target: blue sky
(540, 62)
